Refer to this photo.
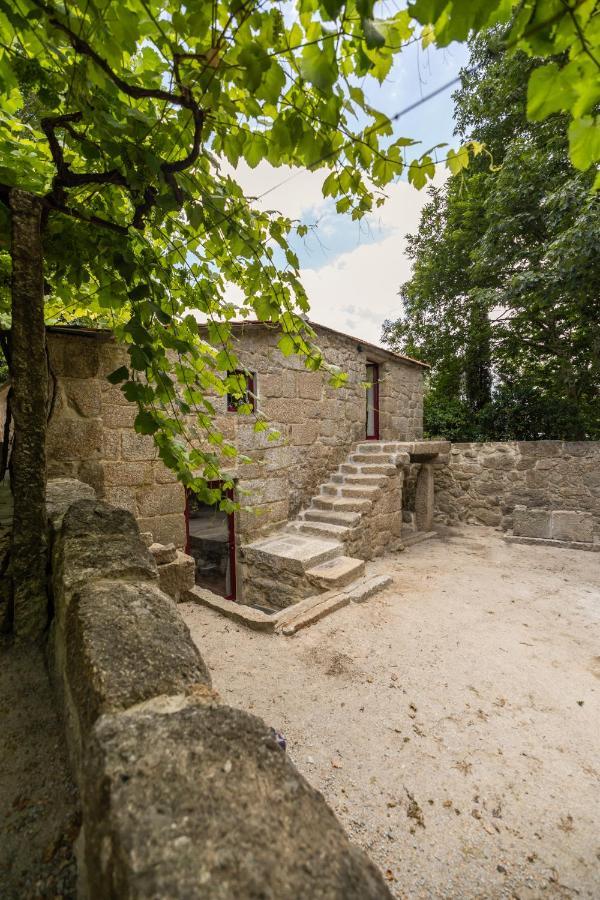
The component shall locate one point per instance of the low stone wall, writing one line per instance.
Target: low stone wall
(181, 795)
(483, 483)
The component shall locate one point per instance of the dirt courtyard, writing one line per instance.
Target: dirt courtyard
(452, 722)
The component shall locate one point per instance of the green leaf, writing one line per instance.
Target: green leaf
(373, 36)
(584, 142)
(145, 423)
(120, 374)
(319, 67)
(549, 90)
(286, 344)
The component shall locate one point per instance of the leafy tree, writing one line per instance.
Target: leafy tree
(504, 295)
(118, 119)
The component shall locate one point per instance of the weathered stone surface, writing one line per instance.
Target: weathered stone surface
(136, 446)
(237, 612)
(572, 526)
(165, 529)
(531, 522)
(178, 576)
(163, 553)
(161, 499)
(97, 541)
(202, 803)
(61, 493)
(128, 473)
(125, 643)
(336, 572)
(75, 439)
(75, 357)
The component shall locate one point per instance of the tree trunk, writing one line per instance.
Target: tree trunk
(29, 376)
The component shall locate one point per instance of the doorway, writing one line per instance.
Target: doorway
(210, 536)
(372, 426)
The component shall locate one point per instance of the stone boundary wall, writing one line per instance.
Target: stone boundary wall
(181, 795)
(484, 482)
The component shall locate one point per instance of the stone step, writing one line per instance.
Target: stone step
(378, 469)
(325, 529)
(336, 572)
(333, 517)
(349, 469)
(380, 458)
(330, 489)
(366, 491)
(343, 504)
(371, 447)
(378, 480)
(291, 552)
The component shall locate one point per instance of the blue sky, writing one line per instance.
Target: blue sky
(352, 271)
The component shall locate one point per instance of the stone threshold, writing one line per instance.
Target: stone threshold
(409, 540)
(593, 546)
(292, 618)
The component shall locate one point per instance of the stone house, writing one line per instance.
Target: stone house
(91, 435)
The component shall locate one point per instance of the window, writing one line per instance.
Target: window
(241, 394)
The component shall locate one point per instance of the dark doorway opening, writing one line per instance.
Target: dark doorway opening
(211, 542)
(372, 427)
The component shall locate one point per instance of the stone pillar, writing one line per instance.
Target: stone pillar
(424, 498)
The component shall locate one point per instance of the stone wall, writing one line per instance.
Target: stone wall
(483, 483)
(181, 795)
(91, 435)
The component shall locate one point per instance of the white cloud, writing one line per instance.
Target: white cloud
(301, 194)
(357, 290)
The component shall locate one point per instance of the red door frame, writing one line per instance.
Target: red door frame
(375, 367)
(230, 536)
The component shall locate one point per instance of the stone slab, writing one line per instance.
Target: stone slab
(295, 552)
(163, 553)
(243, 615)
(361, 590)
(572, 526)
(201, 803)
(177, 576)
(550, 542)
(417, 537)
(322, 605)
(336, 572)
(535, 523)
(125, 642)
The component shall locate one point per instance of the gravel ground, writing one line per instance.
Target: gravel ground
(452, 722)
(38, 802)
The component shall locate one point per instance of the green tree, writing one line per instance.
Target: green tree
(504, 294)
(120, 124)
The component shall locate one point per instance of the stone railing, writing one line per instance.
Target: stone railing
(483, 483)
(181, 796)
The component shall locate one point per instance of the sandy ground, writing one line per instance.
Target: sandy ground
(453, 721)
(39, 817)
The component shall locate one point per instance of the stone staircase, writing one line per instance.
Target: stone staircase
(345, 504)
(355, 516)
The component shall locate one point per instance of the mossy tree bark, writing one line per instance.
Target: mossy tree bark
(29, 376)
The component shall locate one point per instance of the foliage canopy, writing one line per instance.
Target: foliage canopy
(128, 118)
(504, 297)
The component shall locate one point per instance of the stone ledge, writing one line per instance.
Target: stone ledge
(243, 615)
(202, 804)
(594, 547)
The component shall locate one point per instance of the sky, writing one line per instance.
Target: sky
(352, 271)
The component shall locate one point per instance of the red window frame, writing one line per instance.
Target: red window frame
(230, 535)
(232, 403)
(375, 382)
